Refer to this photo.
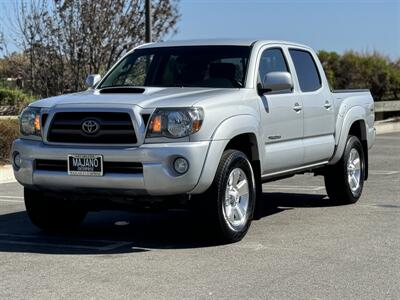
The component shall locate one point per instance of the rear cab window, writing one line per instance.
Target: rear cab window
(306, 69)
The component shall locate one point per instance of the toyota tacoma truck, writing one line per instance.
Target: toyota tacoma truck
(203, 123)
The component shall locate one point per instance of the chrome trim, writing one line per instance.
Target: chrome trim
(236, 203)
(274, 137)
(327, 105)
(354, 171)
(297, 107)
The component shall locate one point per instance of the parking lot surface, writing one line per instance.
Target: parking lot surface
(300, 247)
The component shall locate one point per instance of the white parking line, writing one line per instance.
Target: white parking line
(7, 181)
(386, 137)
(12, 201)
(104, 248)
(49, 245)
(258, 246)
(383, 172)
(112, 244)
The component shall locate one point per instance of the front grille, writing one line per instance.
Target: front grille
(146, 118)
(108, 166)
(113, 128)
(44, 118)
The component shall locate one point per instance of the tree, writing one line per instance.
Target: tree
(353, 71)
(331, 63)
(394, 79)
(14, 65)
(65, 40)
(1, 41)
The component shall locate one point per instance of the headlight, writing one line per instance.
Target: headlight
(30, 121)
(175, 122)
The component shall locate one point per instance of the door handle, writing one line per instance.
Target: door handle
(327, 105)
(274, 137)
(297, 107)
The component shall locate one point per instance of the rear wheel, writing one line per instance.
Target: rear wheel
(229, 203)
(344, 181)
(51, 214)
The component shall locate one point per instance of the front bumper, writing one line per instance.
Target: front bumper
(158, 177)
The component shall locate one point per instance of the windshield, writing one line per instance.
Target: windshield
(185, 66)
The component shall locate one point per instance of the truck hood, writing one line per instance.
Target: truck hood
(152, 97)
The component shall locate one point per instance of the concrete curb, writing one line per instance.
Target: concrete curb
(8, 117)
(387, 126)
(6, 174)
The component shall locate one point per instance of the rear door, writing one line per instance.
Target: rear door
(281, 116)
(318, 109)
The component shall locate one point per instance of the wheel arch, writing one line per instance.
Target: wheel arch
(359, 129)
(247, 143)
(240, 133)
(353, 123)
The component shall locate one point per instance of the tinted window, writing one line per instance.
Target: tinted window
(186, 66)
(306, 70)
(272, 60)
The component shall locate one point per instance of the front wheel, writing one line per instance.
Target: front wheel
(230, 201)
(344, 181)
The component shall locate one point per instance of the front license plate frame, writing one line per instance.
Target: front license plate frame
(85, 165)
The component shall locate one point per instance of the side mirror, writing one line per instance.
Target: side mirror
(92, 80)
(275, 82)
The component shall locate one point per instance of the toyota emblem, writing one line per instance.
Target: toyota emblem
(90, 127)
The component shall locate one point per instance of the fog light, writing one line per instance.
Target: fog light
(181, 165)
(17, 160)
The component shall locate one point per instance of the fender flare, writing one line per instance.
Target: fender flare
(226, 130)
(343, 125)
(236, 125)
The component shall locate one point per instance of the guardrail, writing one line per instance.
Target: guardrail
(387, 106)
(386, 109)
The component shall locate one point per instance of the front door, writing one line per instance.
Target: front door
(282, 118)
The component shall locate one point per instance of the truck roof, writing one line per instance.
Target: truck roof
(216, 42)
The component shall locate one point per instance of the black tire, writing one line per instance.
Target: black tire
(213, 201)
(51, 214)
(336, 176)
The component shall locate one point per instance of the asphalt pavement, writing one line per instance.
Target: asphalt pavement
(301, 247)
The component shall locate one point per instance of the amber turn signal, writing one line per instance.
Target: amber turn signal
(196, 125)
(155, 124)
(36, 123)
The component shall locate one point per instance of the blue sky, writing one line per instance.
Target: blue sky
(335, 25)
(330, 25)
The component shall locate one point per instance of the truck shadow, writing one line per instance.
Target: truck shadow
(113, 232)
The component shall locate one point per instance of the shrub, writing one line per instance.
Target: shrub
(13, 97)
(9, 131)
(372, 71)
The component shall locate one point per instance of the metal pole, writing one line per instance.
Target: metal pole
(148, 21)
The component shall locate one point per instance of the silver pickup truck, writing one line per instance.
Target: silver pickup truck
(202, 123)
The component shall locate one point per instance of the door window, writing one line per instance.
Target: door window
(306, 69)
(272, 60)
